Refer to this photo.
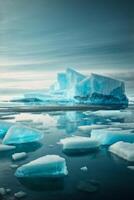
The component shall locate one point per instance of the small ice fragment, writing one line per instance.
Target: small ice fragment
(124, 150)
(51, 145)
(18, 134)
(18, 156)
(13, 166)
(4, 147)
(130, 167)
(2, 191)
(79, 144)
(93, 126)
(8, 190)
(84, 168)
(46, 166)
(20, 194)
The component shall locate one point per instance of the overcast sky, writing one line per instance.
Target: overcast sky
(56, 34)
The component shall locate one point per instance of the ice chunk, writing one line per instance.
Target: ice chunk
(112, 113)
(4, 147)
(130, 167)
(19, 156)
(46, 166)
(108, 137)
(84, 168)
(92, 126)
(79, 144)
(21, 134)
(124, 150)
(2, 191)
(20, 194)
(4, 126)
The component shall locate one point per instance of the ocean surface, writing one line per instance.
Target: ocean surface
(115, 180)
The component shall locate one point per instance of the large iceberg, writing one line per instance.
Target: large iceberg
(108, 137)
(124, 150)
(18, 134)
(79, 144)
(93, 89)
(49, 166)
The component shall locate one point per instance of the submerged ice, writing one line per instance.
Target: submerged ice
(18, 134)
(48, 166)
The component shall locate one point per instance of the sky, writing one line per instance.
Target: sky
(50, 35)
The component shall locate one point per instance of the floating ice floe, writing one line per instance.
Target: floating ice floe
(4, 147)
(19, 156)
(90, 127)
(78, 144)
(4, 126)
(84, 168)
(49, 166)
(110, 113)
(20, 194)
(124, 150)
(18, 134)
(108, 137)
(130, 167)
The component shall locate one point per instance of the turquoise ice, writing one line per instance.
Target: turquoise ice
(18, 134)
(4, 126)
(48, 166)
(108, 137)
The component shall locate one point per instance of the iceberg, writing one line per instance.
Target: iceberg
(102, 90)
(124, 150)
(108, 137)
(18, 134)
(79, 144)
(4, 126)
(49, 166)
(92, 89)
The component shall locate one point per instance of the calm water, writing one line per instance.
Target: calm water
(115, 180)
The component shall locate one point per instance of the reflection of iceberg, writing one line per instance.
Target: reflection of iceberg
(108, 137)
(18, 134)
(46, 166)
(124, 150)
(79, 144)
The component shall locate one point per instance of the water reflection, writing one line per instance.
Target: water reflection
(39, 184)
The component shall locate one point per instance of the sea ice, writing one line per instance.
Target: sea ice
(47, 166)
(20, 194)
(108, 137)
(111, 113)
(92, 126)
(124, 150)
(4, 147)
(21, 134)
(130, 167)
(79, 144)
(19, 156)
(4, 126)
